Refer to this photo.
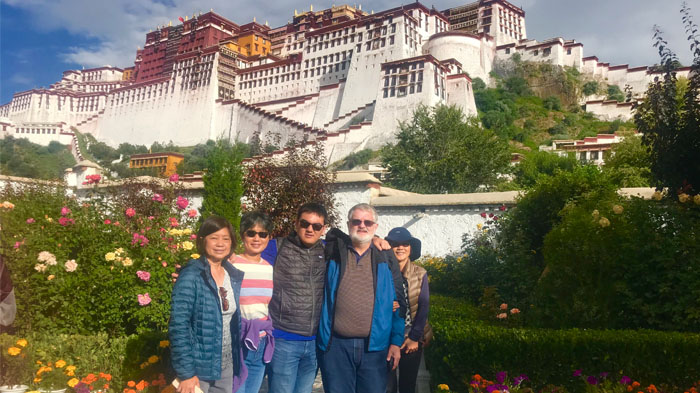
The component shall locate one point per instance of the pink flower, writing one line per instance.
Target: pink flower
(144, 299)
(116, 223)
(514, 311)
(145, 276)
(139, 239)
(483, 215)
(71, 265)
(157, 198)
(65, 211)
(504, 306)
(92, 179)
(165, 264)
(182, 202)
(502, 316)
(30, 221)
(193, 236)
(151, 217)
(66, 221)
(130, 212)
(173, 222)
(108, 221)
(17, 244)
(192, 213)
(175, 177)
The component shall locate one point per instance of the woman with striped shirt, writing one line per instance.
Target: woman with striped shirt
(256, 290)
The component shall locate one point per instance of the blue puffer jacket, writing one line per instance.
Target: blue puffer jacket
(387, 325)
(195, 328)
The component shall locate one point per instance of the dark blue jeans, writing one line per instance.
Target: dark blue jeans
(293, 366)
(347, 367)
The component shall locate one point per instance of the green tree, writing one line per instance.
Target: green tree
(442, 151)
(628, 163)
(223, 183)
(541, 163)
(669, 118)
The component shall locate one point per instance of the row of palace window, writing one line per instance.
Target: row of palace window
(35, 131)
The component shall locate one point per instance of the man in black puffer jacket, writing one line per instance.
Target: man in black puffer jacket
(297, 296)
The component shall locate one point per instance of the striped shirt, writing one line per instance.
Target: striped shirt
(256, 288)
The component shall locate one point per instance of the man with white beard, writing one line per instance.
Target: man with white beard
(359, 333)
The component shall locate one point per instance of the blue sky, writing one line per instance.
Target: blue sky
(39, 39)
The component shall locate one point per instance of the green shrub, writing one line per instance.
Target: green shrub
(75, 262)
(622, 264)
(462, 347)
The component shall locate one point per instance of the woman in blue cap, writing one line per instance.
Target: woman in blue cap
(418, 332)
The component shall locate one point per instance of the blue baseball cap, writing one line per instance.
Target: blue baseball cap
(401, 235)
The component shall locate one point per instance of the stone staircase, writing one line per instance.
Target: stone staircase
(348, 115)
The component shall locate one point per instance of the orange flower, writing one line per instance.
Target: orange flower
(652, 389)
(629, 388)
(477, 377)
(635, 384)
(141, 385)
(131, 384)
(106, 386)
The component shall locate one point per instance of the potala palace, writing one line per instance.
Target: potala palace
(340, 75)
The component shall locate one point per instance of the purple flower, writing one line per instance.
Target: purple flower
(520, 379)
(577, 373)
(501, 377)
(491, 388)
(604, 374)
(625, 380)
(592, 380)
(81, 388)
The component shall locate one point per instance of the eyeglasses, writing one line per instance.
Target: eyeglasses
(252, 233)
(224, 299)
(305, 224)
(356, 222)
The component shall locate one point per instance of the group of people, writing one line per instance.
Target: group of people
(286, 307)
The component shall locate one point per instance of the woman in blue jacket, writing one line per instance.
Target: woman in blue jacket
(205, 314)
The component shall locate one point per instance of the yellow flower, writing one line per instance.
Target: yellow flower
(595, 214)
(604, 222)
(110, 256)
(656, 196)
(696, 199)
(153, 359)
(164, 344)
(127, 262)
(143, 365)
(32, 391)
(49, 219)
(187, 231)
(70, 368)
(37, 380)
(22, 342)
(60, 363)
(479, 225)
(13, 351)
(617, 209)
(443, 386)
(50, 277)
(70, 373)
(73, 381)
(187, 245)
(195, 256)
(683, 198)
(119, 251)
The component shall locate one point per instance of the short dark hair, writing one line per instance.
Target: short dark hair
(211, 225)
(251, 219)
(313, 207)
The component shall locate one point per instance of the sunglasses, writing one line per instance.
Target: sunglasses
(224, 300)
(356, 223)
(305, 224)
(252, 233)
(398, 244)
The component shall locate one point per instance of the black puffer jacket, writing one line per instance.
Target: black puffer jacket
(297, 295)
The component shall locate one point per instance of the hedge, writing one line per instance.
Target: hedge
(463, 347)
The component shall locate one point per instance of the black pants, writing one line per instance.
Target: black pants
(408, 372)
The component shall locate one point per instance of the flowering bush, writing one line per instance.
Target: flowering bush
(54, 376)
(101, 262)
(15, 358)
